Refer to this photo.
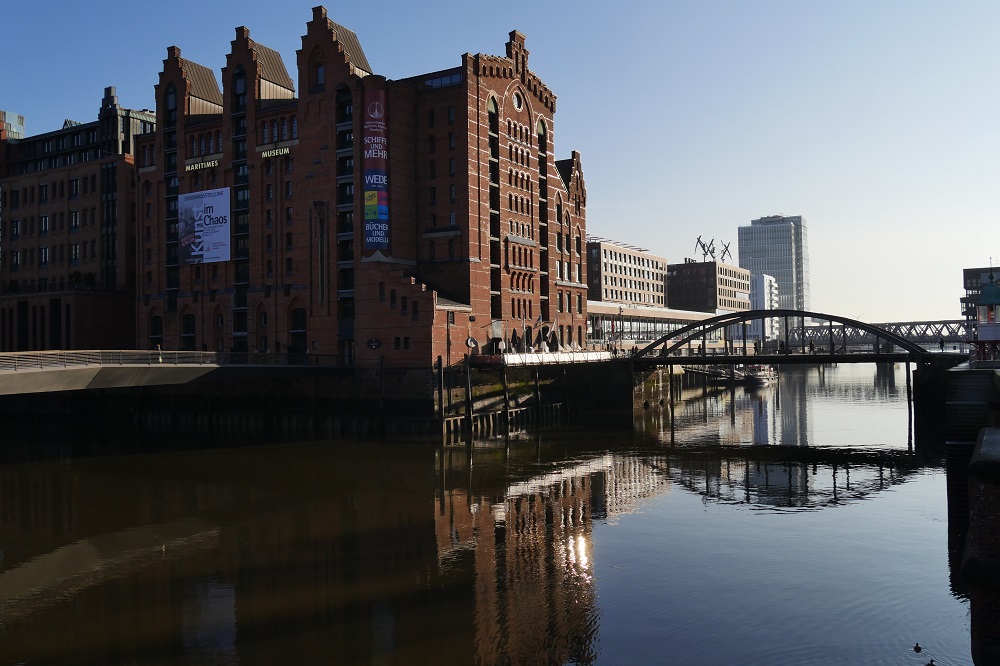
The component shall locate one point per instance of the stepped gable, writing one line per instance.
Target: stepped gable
(201, 82)
(346, 38)
(571, 172)
(514, 67)
(352, 46)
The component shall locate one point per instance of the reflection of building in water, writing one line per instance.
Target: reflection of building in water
(777, 414)
(794, 408)
(761, 407)
(533, 555)
(216, 557)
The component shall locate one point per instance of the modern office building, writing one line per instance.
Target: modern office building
(764, 296)
(622, 273)
(779, 246)
(67, 234)
(338, 213)
(708, 286)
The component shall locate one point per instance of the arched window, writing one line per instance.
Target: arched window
(274, 131)
(171, 105)
(319, 77)
(239, 90)
(345, 106)
(493, 115)
(155, 330)
(297, 333)
(295, 127)
(201, 142)
(263, 131)
(188, 329)
(284, 129)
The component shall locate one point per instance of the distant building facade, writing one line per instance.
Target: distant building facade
(67, 234)
(622, 273)
(708, 286)
(779, 246)
(11, 126)
(764, 296)
(973, 280)
(365, 218)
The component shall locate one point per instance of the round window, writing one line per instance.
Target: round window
(518, 102)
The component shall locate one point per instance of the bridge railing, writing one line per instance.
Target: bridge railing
(41, 360)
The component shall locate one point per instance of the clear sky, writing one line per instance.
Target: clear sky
(876, 121)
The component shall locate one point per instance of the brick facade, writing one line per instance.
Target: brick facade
(67, 234)
(485, 227)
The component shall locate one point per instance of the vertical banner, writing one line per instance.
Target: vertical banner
(203, 226)
(375, 167)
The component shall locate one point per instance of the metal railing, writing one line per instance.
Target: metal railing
(41, 360)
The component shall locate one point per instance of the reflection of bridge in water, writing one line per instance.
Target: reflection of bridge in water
(763, 477)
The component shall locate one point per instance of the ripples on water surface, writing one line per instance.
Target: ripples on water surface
(697, 543)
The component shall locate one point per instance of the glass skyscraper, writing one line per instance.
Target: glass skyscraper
(778, 246)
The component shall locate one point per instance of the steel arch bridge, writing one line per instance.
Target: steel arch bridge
(837, 337)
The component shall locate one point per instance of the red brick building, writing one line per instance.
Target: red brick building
(67, 233)
(406, 219)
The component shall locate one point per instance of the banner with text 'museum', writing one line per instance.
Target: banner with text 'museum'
(203, 226)
(375, 166)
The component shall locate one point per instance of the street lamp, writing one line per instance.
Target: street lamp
(621, 328)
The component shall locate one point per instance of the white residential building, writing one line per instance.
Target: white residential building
(764, 296)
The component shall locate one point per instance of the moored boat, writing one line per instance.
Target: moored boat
(760, 374)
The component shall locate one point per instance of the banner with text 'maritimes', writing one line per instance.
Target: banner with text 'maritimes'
(203, 226)
(375, 166)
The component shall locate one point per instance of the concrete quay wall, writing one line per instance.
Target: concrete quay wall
(981, 559)
(274, 403)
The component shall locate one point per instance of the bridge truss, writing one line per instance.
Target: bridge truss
(924, 333)
(836, 335)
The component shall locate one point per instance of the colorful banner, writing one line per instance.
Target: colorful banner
(203, 226)
(375, 167)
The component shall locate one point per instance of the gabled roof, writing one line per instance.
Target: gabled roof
(203, 82)
(565, 168)
(272, 67)
(352, 47)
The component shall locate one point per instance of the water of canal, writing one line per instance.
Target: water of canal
(790, 524)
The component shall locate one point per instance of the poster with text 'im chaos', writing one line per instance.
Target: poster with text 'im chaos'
(203, 226)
